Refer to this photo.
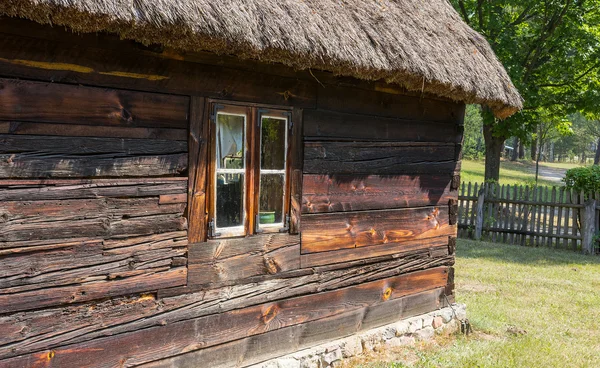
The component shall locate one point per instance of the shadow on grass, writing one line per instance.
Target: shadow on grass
(472, 249)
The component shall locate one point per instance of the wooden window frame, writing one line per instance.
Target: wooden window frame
(254, 114)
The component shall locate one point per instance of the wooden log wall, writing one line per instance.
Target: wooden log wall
(379, 174)
(99, 251)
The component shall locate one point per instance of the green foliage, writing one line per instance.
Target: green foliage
(550, 49)
(473, 144)
(585, 179)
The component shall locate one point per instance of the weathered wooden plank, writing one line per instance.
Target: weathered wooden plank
(152, 280)
(341, 193)
(334, 231)
(73, 130)
(258, 348)
(44, 156)
(360, 101)
(330, 125)
(226, 260)
(198, 161)
(383, 158)
(150, 344)
(57, 103)
(127, 68)
(71, 324)
(117, 147)
(102, 217)
(24, 166)
(295, 172)
(28, 190)
(172, 198)
(80, 262)
(439, 244)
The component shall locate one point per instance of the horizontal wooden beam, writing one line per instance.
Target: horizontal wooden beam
(383, 158)
(321, 125)
(343, 193)
(258, 348)
(151, 344)
(348, 230)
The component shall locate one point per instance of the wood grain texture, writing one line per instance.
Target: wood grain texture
(434, 245)
(38, 274)
(49, 328)
(68, 104)
(258, 348)
(230, 260)
(295, 172)
(400, 106)
(150, 344)
(102, 217)
(128, 68)
(23, 156)
(334, 231)
(74, 130)
(198, 164)
(342, 193)
(320, 125)
(37, 190)
(383, 158)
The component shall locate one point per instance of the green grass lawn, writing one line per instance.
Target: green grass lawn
(517, 172)
(550, 298)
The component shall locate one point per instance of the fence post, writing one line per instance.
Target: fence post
(479, 216)
(588, 226)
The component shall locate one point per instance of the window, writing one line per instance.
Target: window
(248, 180)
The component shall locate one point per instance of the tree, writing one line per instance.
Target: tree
(550, 49)
(473, 145)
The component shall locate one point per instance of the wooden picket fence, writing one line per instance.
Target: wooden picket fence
(537, 216)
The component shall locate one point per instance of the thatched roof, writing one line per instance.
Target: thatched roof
(421, 45)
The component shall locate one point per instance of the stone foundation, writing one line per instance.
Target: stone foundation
(405, 332)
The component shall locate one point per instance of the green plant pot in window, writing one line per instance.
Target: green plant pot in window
(267, 217)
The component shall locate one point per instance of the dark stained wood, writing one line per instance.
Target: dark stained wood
(150, 344)
(43, 145)
(56, 103)
(399, 106)
(295, 173)
(36, 190)
(437, 245)
(341, 193)
(93, 259)
(198, 163)
(330, 125)
(73, 130)
(334, 231)
(23, 156)
(226, 260)
(127, 68)
(50, 328)
(258, 348)
(151, 280)
(384, 158)
(73, 218)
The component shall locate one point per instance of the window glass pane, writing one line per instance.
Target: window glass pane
(271, 199)
(230, 141)
(230, 200)
(272, 143)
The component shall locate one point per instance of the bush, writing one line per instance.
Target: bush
(585, 179)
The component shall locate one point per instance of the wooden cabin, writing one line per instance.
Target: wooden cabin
(202, 183)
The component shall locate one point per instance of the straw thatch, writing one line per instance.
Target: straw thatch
(421, 45)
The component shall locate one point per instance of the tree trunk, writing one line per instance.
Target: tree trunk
(533, 149)
(514, 155)
(521, 150)
(493, 151)
(597, 157)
